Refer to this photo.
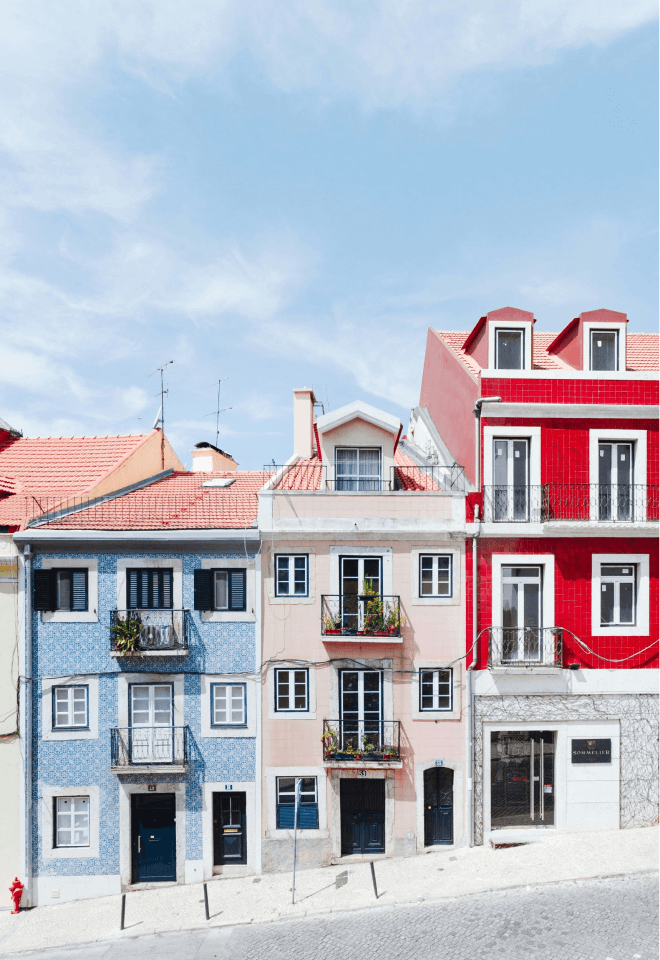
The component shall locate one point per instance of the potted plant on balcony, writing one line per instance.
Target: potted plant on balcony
(330, 743)
(394, 622)
(374, 619)
(332, 625)
(126, 633)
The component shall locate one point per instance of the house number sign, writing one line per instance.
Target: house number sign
(591, 751)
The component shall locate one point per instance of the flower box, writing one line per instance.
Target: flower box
(333, 633)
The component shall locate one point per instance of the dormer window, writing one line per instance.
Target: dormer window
(357, 468)
(509, 349)
(604, 350)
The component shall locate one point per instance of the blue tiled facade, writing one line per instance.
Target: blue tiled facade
(67, 649)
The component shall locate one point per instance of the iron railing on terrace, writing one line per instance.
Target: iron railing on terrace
(148, 746)
(362, 740)
(360, 615)
(525, 647)
(604, 503)
(305, 476)
(159, 631)
(519, 504)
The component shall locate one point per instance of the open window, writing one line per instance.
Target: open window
(220, 590)
(61, 590)
(308, 804)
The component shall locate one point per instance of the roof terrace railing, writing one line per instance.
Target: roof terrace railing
(306, 476)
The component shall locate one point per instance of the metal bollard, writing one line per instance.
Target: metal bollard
(373, 877)
(123, 911)
(206, 902)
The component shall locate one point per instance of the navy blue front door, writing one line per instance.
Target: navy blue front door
(438, 806)
(362, 815)
(154, 837)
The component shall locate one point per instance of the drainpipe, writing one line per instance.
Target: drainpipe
(27, 724)
(468, 686)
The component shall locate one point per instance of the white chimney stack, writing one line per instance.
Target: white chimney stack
(303, 422)
(209, 459)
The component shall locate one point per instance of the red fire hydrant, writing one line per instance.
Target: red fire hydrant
(16, 891)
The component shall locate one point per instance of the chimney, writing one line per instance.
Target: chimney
(209, 459)
(303, 422)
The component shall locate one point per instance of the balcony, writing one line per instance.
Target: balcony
(361, 742)
(149, 749)
(531, 647)
(361, 618)
(136, 633)
(600, 502)
(522, 504)
(314, 476)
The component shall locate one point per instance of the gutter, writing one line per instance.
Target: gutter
(211, 535)
(469, 690)
(27, 725)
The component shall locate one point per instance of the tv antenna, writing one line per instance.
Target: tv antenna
(218, 411)
(160, 416)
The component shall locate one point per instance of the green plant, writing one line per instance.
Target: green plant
(126, 633)
(332, 623)
(368, 748)
(330, 741)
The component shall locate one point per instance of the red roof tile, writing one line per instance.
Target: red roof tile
(178, 502)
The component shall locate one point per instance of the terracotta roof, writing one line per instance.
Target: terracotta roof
(34, 468)
(642, 351)
(307, 475)
(178, 502)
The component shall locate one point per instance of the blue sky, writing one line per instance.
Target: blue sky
(289, 194)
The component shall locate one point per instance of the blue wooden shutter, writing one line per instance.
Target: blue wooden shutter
(308, 816)
(44, 590)
(285, 816)
(166, 593)
(202, 593)
(132, 598)
(79, 590)
(237, 589)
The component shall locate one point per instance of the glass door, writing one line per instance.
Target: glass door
(151, 723)
(521, 615)
(510, 479)
(615, 475)
(522, 784)
(358, 576)
(361, 710)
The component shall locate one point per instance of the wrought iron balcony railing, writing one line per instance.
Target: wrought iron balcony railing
(137, 632)
(312, 475)
(362, 740)
(600, 502)
(521, 504)
(149, 747)
(353, 615)
(525, 647)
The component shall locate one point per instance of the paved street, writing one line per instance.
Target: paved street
(614, 919)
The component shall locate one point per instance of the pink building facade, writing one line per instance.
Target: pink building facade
(363, 558)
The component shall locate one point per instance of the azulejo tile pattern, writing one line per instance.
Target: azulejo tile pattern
(67, 649)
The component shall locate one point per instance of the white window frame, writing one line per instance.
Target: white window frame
(90, 615)
(619, 328)
(638, 438)
(436, 716)
(641, 561)
(435, 594)
(291, 558)
(291, 670)
(85, 807)
(545, 560)
(436, 689)
(360, 447)
(232, 616)
(271, 775)
(208, 729)
(310, 713)
(69, 688)
(358, 550)
(47, 825)
(151, 563)
(52, 733)
(533, 434)
(526, 327)
(230, 722)
(457, 564)
(616, 582)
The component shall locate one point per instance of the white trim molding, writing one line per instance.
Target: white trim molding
(207, 728)
(457, 686)
(310, 713)
(290, 548)
(47, 794)
(251, 829)
(641, 628)
(533, 434)
(150, 563)
(91, 731)
(124, 681)
(545, 560)
(526, 327)
(358, 549)
(125, 834)
(575, 411)
(638, 439)
(457, 574)
(90, 615)
(608, 327)
(270, 775)
(233, 616)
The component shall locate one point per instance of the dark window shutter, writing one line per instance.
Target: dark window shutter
(78, 589)
(166, 595)
(237, 589)
(132, 600)
(285, 816)
(44, 588)
(203, 598)
(308, 816)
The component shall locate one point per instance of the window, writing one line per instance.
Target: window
(435, 576)
(291, 576)
(291, 690)
(220, 590)
(604, 350)
(615, 476)
(228, 704)
(71, 821)
(510, 479)
(618, 594)
(61, 590)
(149, 589)
(70, 707)
(509, 349)
(357, 469)
(521, 614)
(435, 689)
(308, 808)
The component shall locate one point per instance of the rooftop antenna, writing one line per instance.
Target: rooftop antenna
(218, 411)
(160, 416)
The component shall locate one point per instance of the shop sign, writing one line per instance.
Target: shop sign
(591, 751)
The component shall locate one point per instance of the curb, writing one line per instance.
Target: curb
(412, 902)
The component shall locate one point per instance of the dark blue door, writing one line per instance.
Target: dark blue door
(362, 815)
(438, 806)
(154, 837)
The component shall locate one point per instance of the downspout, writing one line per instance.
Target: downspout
(258, 641)
(468, 685)
(27, 725)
